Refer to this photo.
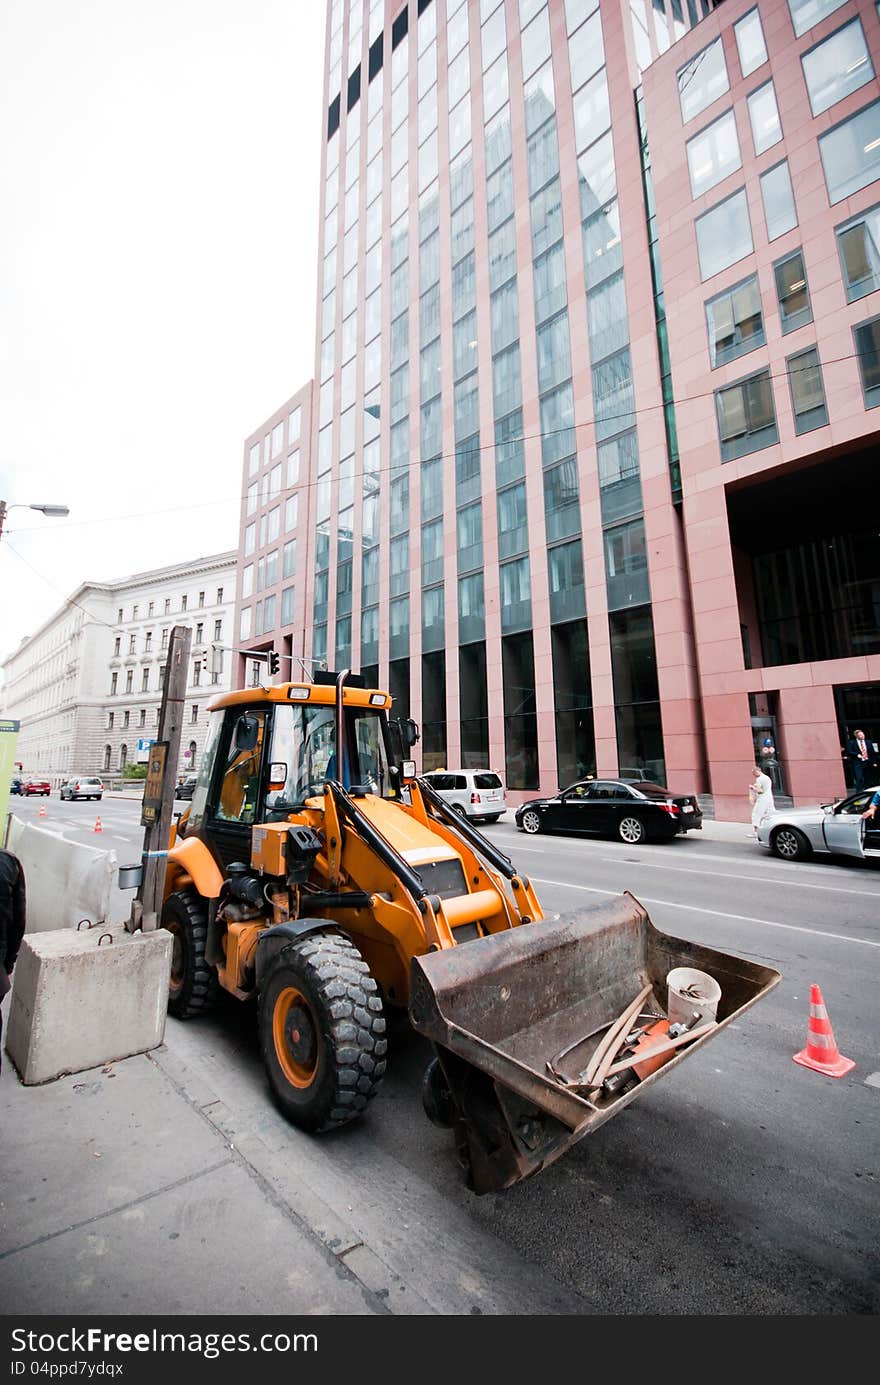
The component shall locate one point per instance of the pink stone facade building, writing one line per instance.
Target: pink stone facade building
(587, 472)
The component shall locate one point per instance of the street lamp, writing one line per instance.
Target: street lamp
(54, 511)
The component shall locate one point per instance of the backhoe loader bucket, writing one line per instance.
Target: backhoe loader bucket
(517, 1016)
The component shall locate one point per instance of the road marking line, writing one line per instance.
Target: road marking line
(759, 879)
(716, 913)
(873, 1079)
(774, 876)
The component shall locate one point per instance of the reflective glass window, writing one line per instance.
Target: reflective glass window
(750, 42)
(713, 154)
(780, 213)
(746, 416)
(764, 118)
(735, 322)
(724, 234)
(836, 66)
(702, 80)
(807, 391)
(851, 153)
(859, 245)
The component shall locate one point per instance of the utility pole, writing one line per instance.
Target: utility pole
(158, 802)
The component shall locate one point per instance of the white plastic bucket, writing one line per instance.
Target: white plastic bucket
(690, 990)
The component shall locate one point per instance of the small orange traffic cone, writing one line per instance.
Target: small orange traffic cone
(97, 827)
(42, 812)
(821, 1053)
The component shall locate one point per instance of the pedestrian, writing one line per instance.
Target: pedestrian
(761, 798)
(12, 920)
(858, 753)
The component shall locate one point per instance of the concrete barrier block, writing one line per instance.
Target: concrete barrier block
(66, 881)
(76, 1005)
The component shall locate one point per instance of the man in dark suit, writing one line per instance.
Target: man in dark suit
(12, 919)
(860, 753)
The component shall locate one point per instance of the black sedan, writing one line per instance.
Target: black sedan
(633, 812)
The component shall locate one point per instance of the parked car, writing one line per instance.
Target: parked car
(16, 786)
(81, 788)
(794, 834)
(185, 790)
(475, 793)
(37, 786)
(632, 812)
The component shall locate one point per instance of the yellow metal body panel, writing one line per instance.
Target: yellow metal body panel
(240, 945)
(268, 843)
(191, 858)
(324, 694)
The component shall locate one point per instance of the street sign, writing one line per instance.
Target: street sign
(152, 802)
(8, 741)
(143, 750)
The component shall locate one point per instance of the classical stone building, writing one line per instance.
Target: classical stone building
(87, 686)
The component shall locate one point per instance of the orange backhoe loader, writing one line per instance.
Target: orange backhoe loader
(315, 872)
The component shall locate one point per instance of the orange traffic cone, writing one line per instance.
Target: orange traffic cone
(97, 827)
(821, 1052)
(42, 812)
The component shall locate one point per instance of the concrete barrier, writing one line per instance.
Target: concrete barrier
(83, 999)
(65, 881)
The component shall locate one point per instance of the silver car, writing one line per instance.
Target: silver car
(837, 828)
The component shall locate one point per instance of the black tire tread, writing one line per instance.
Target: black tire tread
(200, 987)
(353, 1025)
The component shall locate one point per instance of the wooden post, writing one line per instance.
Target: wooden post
(147, 907)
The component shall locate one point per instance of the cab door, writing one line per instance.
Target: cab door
(237, 789)
(844, 829)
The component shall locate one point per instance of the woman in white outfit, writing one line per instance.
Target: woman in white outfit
(760, 797)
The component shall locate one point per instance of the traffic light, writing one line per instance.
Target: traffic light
(274, 663)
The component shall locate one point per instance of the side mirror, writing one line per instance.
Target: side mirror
(247, 731)
(412, 731)
(277, 775)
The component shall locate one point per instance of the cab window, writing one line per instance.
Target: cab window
(239, 786)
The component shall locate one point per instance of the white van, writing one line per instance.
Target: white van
(475, 793)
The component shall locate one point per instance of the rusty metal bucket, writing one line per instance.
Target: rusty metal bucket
(501, 1009)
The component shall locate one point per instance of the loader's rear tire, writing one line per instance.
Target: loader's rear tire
(322, 1031)
(193, 987)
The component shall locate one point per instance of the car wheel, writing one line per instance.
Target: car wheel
(460, 809)
(493, 818)
(790, 844)
(530, 822)
(631, 830)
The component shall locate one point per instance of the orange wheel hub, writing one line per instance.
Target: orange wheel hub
(295, 1036)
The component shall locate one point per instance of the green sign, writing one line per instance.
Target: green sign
(8, 742)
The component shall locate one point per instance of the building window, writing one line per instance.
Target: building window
(702, 80)
(123, 756)
(219, 596)
(867, 342)
(128, 678)
(143, 716)
(218, 629)
(764, 118)
(126, 718)
(713, 154)
(167, 604)
(776, 193)
(165, 638)
(145, 680)
(151, 608)
(750, 42)
(201, 598)
(111, 716)
(746, 417)
(119, 616)
(116, 644)
(134, 612)
(200, 632)
(859, 245)
(132, 644)
(107, 753)
(792, 292)
(245, 624)
(195, 712)
(724, 234)
(162, 668)
(807, 391)
(851, 153)
(735, 322)
(807, 13)
(836, 66)
(148, 641)
(197, 672)
(183, 602)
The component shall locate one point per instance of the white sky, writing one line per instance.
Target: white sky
(159, 179)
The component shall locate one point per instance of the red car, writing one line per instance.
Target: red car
(37, 786)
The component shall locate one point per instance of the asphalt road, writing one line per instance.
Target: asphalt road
(739, 1184)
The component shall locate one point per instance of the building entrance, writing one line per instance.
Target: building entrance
(858, 709)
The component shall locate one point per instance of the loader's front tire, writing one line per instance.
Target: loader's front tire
(193, 986)
(322, 1032)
